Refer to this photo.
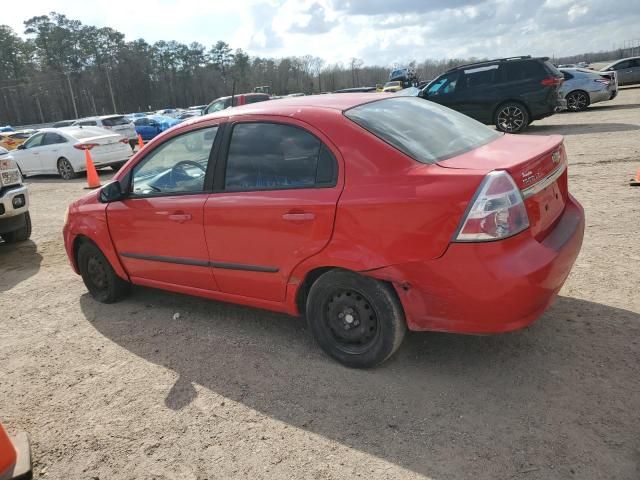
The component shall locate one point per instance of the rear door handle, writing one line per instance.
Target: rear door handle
(179, 217)
(299, 217)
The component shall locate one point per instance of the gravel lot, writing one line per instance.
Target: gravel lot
(125, 391)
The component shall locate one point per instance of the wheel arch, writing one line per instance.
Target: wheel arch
(512, 100)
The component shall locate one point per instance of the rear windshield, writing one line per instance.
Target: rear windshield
(423, 130)
(113, 121)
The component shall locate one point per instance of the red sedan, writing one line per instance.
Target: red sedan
(369, 214)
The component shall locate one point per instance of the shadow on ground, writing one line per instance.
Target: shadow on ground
(600, 106)
(548, 401)
(104, 174)
(18, 262)
(581, 128)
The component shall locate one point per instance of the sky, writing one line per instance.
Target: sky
(380, 32)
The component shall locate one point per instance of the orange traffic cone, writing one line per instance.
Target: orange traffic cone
(140, 142)
(636, 181)
(93, 181)
(15, 455)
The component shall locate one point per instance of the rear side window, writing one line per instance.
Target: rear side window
(51, 138)
(423, 130)
(88, 123)
(567, 75)
(270, 156)
(113, 121)
(513, 71)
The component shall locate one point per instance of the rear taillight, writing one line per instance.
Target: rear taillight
(497, 212)
(551, 81)
(603, 81)
(85, 146)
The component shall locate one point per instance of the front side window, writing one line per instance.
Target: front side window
(443, 85)
(177, 166)
(622, 65)
(423, 130)
(269, 156)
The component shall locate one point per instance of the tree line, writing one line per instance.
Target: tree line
(65, 69)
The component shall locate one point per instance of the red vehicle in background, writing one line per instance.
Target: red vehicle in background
(223, 103)
(368, 214)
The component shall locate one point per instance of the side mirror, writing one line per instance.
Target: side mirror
(112, 192)
(21, 146)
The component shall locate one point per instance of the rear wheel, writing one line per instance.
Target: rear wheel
(65, 169)
(577, 101)
(356, 320)
(511, 117)
(99, 277)
(20, 235)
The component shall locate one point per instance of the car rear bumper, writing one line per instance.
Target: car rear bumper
(493, 287)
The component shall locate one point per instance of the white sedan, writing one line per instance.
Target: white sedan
(61, 151)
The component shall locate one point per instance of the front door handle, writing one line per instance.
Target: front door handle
(179, 217)
(299, 217)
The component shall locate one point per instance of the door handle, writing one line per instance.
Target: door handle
(298, 217)
(179, 217)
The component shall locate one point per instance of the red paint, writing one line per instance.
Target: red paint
(389, 217)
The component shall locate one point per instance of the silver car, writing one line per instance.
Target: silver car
(116, 123)
(583, 87)
(627, 70)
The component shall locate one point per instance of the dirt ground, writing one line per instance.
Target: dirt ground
(125, 391)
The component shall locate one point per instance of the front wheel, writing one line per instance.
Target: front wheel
(511, 117)
(20, 235)
(356, 320)
(99, 277)
(65, 169)
(577, 101)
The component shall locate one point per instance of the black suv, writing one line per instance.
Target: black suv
(508, 92)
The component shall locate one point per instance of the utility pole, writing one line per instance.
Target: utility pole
(73, 99)
(37, 95)
(113, 100)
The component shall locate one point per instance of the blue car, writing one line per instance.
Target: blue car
(152, 125)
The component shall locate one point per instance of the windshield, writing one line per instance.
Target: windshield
(423, 130)
(113, 121)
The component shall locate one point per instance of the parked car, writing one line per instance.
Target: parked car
(63, 123)
(11, 140)
(356, 90)
(116, 123)
(369, 214)
(509, 93)
(149, 127)
(61, 151)
(583, 87)
(627, 69)
(223, 103)
(7, 128)
(15, 221)
(394, 86)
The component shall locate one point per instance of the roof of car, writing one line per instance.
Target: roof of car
(507, 59)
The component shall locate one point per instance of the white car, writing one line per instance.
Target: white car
(61, 151)
(116, 123)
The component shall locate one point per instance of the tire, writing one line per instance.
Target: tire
(103, 283)
(65, 169)
(511, 117)
(577, 101)
(356, 320)
(21, 234)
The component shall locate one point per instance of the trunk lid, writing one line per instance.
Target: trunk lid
(537, 164)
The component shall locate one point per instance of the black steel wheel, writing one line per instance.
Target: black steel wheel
(577, 101)
(65, 169)
(511, 117)
(99, 277)
(355, 319)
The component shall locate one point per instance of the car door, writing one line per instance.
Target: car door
(443, 90)
(158, 229)
(635, 70)
(28, 156)
(624, 72)
(478, 92)
(277, 186)
(52, 149)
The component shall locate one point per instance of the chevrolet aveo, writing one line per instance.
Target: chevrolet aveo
(370, 215)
